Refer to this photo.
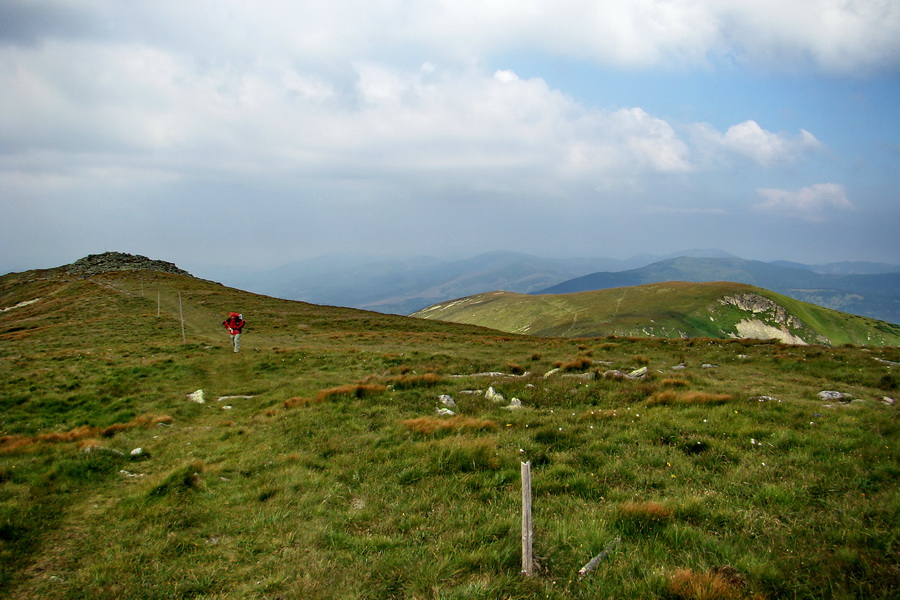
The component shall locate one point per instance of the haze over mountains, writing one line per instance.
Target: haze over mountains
(403, 286)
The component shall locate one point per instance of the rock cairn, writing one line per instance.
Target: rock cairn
(95, 264)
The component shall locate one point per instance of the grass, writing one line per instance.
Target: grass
(334, 477)
(667, 310)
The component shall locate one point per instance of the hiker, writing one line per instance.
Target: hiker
(234, 323)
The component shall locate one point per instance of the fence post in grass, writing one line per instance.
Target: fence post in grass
(527, 529)
(181, 315)
(596, 560)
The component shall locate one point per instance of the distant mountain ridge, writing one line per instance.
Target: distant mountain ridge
(672, 309)
(872, 295)
(403, 286)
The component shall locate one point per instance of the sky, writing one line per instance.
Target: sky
(254, 134)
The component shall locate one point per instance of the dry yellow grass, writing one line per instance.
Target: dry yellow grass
(670, 397)
(15, 442)
(430, 425)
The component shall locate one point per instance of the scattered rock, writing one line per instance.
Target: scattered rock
(765, 399)
(514, 404)
(91, 449)
(445, 412)
(220, 398)
(709, 366)
(138, 452)
(679, 367)
(493, 395)
(95, 264)
(447, 401)
(196, 397)
(888, 400)
(889, 363)
(828, 395)
(551, 372)
(638, 373)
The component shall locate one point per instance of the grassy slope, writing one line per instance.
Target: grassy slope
(359, 492)
(663, 309)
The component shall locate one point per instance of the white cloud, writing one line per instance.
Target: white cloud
(749, 140)
(831, 35)
(809, 203)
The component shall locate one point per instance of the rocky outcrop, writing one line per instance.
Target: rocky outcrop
(774, 322)
(95, 264)
(756, 304)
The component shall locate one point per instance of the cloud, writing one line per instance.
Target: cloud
(749, 140)
(809, 203)
(834, 36)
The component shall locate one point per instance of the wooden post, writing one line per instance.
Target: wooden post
(181, 314)
(596, 560)
(527, 529)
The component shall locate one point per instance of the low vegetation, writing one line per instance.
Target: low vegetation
(318, 467)
(674, 309)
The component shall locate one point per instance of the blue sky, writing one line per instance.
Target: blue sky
(255, 134)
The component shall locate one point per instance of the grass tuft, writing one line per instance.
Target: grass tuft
(670, 397)
(718, 584)
(643, 516)
(353, 390)
(432, 425)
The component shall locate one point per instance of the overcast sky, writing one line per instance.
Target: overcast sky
(207, 132)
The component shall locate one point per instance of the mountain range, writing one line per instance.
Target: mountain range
(875, 295)
(403, 286)
(673, 309)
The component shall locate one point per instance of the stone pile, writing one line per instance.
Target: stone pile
(95, 264)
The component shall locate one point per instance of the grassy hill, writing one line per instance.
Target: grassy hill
(317, 467)
(876, 295)
(673, 309)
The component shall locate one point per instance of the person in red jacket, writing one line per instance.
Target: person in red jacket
(234, 324)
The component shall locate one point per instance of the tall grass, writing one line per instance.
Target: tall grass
(335, 478)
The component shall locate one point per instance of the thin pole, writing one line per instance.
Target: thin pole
(181, 314)
(527, 529)
(596, 560)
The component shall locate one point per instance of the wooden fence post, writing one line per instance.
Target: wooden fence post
(527, 529)
(181, 315)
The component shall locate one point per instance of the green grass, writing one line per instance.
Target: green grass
(667, 310)
(337, 480)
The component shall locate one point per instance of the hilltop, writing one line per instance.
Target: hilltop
(672, 310)
(873, 294)
(353, 454)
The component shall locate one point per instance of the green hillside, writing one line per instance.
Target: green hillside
(319, 467)
(672, 310)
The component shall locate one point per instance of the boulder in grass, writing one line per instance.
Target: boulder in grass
(832, 396)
